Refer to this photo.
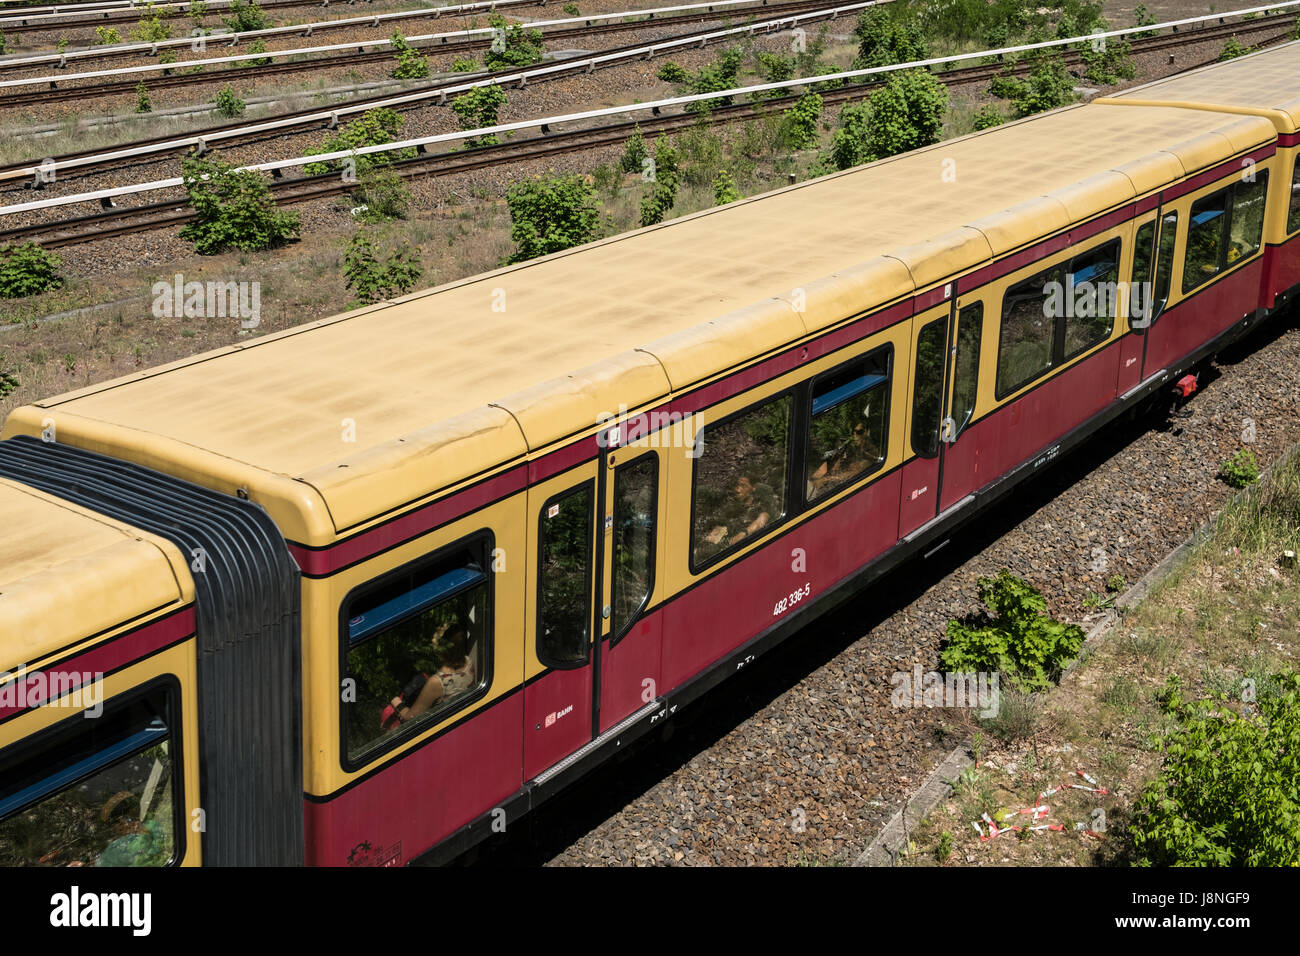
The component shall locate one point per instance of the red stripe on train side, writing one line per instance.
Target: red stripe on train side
(1288, 139)
(1197, 320)
(400, 812)
(1215, 173)
(33, 690)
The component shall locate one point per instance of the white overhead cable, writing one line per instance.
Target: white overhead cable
(548, 121)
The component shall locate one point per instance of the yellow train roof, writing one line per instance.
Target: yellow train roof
(444, 384)
(1266, 83)
(67, 573)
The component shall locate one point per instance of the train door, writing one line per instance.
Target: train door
(959, 470)
(628, 643)
(921, 474)
(559, 685)
(1153, 267)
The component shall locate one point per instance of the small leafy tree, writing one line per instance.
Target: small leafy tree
(198, 11)
(28, 270)
(671, 72)
(143, 104)
(228, 102)
(410, 64)
(667, 177)
(372, 128)
(1229, 790)
(107, 35)
(572, 9)
(549, 214)
(1232, 49)
(801, 121)
(512, 45)
(384, 194)
(885, 38)
(1142, 18)
(849, 144)
(776, 67)
(478, 108)
(243, 16)
(1020, 640)
(373, 280)
(151, 27)
(634, 153)
(235, 209)
(907, 114)
(257, 46)
(724, 189)
(1048, 87)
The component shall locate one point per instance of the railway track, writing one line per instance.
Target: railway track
(311, 116)
(111, 223)
(808, 8)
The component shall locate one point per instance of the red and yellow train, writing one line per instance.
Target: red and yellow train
(366, 590)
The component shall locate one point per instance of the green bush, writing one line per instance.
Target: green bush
(244, 16)
(151, 27)
(886, 37)
(229, 103)
(372, 280)
(478, 108)
(724, 189)
(384, 194)
(1021, 641)
(28, 270)
(849, 142)
(775, 67)
(1232, 49)
(235, 209)
(549, 214)
(462, 65)
(801, 121)
(1048, 87)
(1229, 789)
(143, 104)
(257, 46)
(372, 128)
(198, 11)
(572, 9)
(8, 383)
(721, 74)
(634, 153)
(107, 35)
(670, 72)
(1142, 18)
(1241, 469)
(4, 44)
(410, 64)
(988, 117)
(700, 154)
(512, 45)
(667, 177)
(905, 115)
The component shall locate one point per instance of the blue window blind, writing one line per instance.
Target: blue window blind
(1201, 218)
(846, 391)
(412, 602)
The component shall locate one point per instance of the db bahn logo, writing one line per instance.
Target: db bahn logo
(552, 717)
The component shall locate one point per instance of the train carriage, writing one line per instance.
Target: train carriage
(533, 513)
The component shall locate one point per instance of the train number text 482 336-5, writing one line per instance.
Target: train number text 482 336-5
(791, 599)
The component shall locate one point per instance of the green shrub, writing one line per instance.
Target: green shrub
(634, 153)
(374, 281)
(700, 154)
(988, 117)
(1229, 789)
(244, 16)
(1021, 641)
(1241, 469)
(229, 103)
(410, 64)
(849, 142)
(885, 38)
(478, 108)
(28, 270)
(667, 177)
(143, 104)
(905, 115)
(572, 9)
(235, 209)
(801, 121)
(1232, 49)
(512, 45)
(198, 11)
(670, 72)
(1048, 87)
(549, 214)
(257, 46)
(151, 27)
(107, 35)
(1142, 18)
(8, 382)
(775, 67)
(724, 189)
(372, 128)
(462, 65)
(4, 44)
(384, 194)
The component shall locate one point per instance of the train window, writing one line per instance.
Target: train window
(564, 578)
(1092, 283)
(1205, 234)
(740, 479)
(417, 647)
(100, 792)
(1025, 347)
(1293, 217)
(1165, 262)
(847, 425)
(636, 487)
(1140, 298)
(927, 394)
(1246, 230)
(966, 366)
